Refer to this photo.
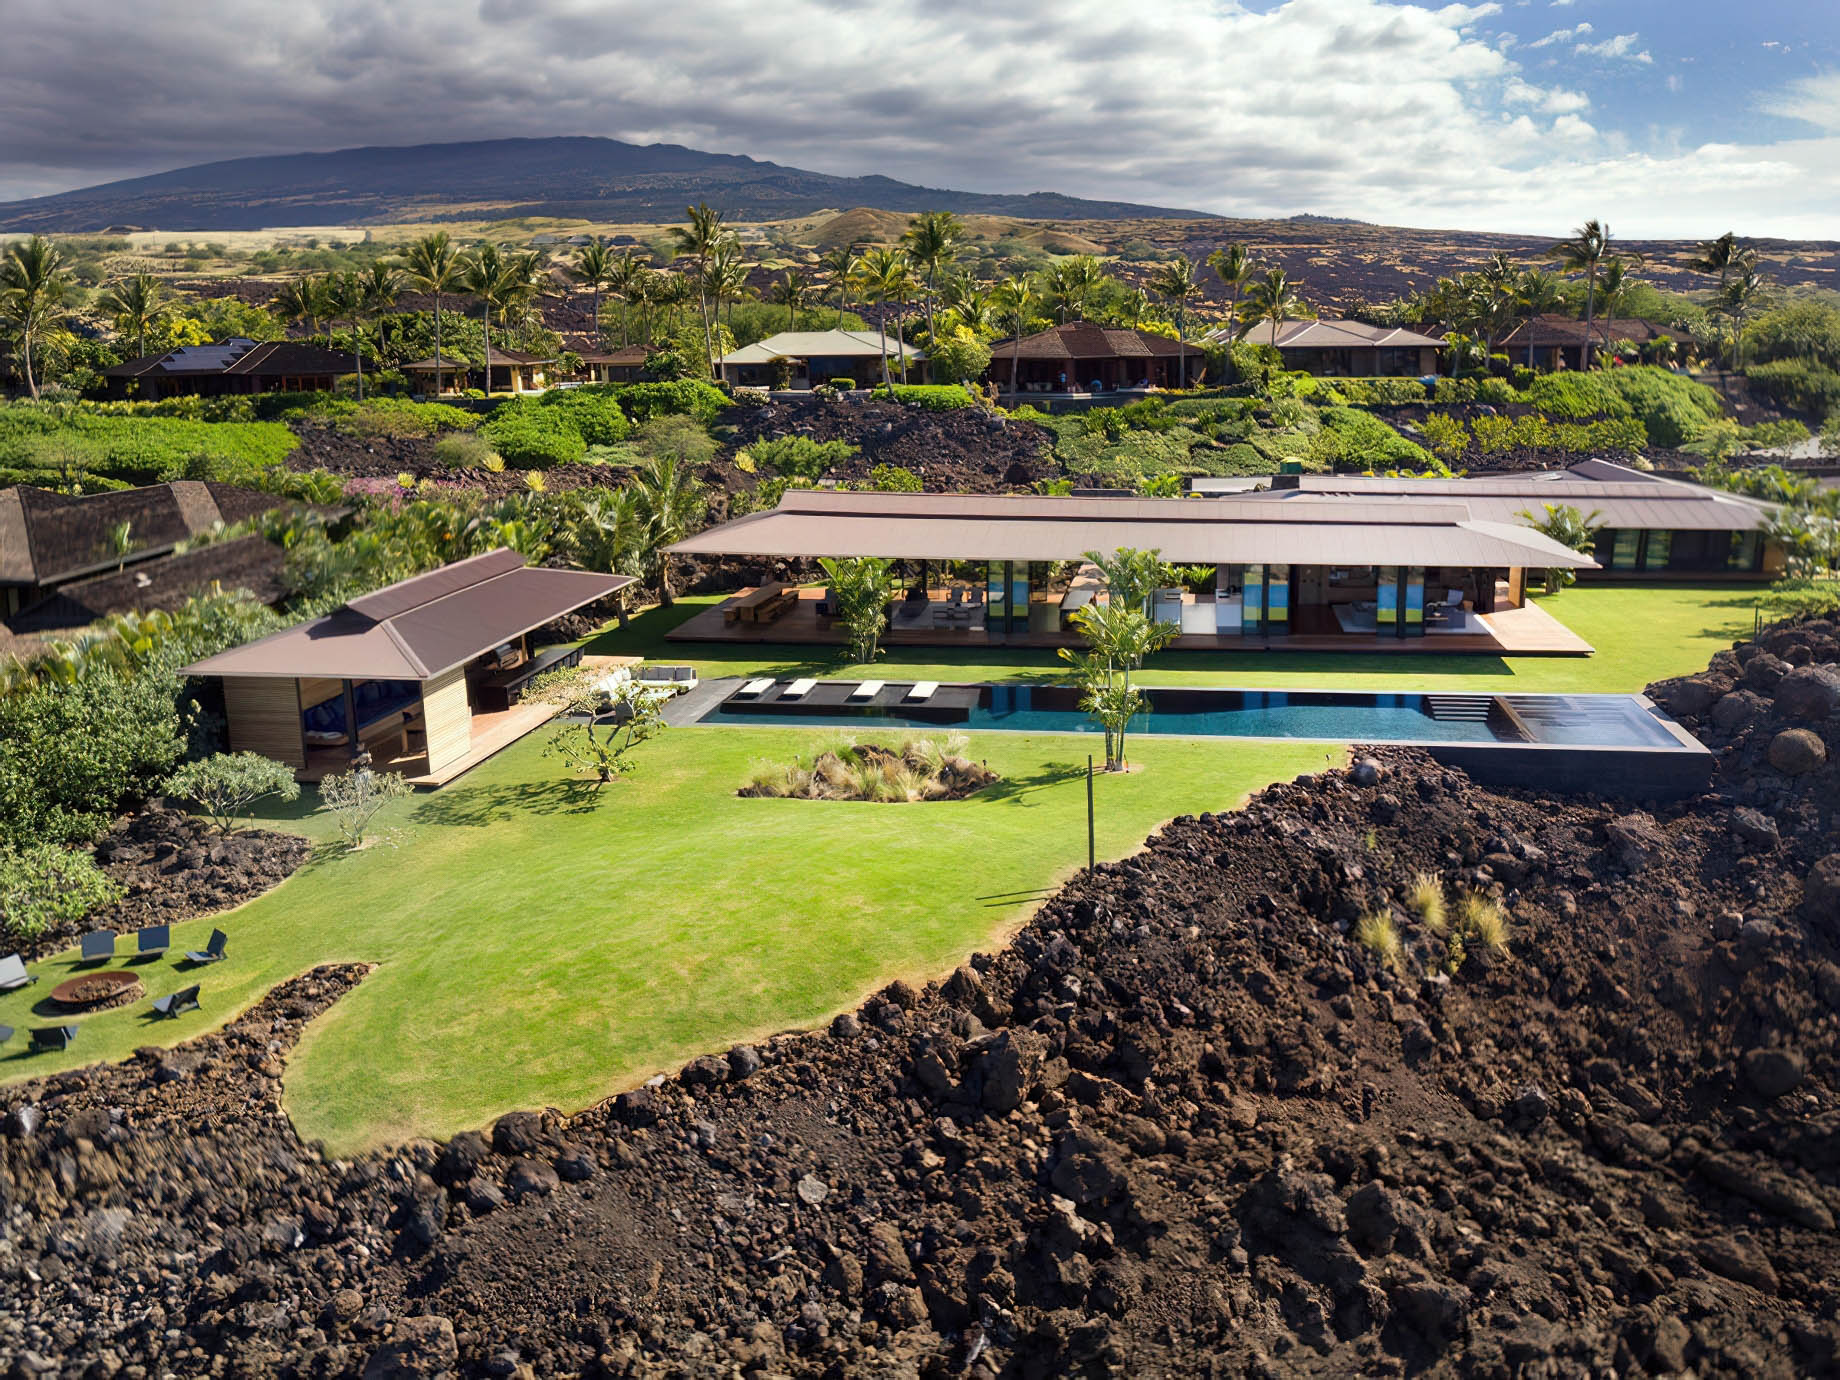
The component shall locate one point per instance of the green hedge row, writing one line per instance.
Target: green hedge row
(142, 449)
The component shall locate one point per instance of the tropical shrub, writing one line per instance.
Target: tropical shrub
(1805, 385)
(226, 784)
(644, 401)
(1577, 396)
(894, 479)
(920, 769)
(1447, 437)
(799, 457)
(534, 437)
(1370, 442)
(463, 450)
(43, 886)
(50, 441)
(1807, 330)
(932, 397)
(958, 358)
(859, 593)
(1670, 406)
(1570, 528)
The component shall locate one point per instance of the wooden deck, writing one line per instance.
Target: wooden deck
(1529, 631)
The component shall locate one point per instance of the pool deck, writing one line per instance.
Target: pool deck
(1526, 631)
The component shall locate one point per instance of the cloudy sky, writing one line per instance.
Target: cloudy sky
(1665, 117)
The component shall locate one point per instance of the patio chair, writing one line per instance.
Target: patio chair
(153, 940)
(52, 1037)
(177, 1003)
(921, 693)
(798, 690)
(13, 974)
(754, 689)
(865, 691)
(213, 952)
(98, 946)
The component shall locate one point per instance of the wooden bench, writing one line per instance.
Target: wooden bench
(748, 608)
(505, 688)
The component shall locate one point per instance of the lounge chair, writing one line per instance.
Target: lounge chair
(213, 952)
(867, 690)
(6, 1033)
(177, 1003)
(798, 690)
(154, 939)
(52, 1037)
(921, 693)
(98, 946)
(754, 689)
(13, 974)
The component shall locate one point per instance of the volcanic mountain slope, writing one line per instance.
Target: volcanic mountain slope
(601, 179)
(1182, 1125)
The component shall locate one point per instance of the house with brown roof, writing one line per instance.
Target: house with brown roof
(228, 366)
(623, 365)
(426, 676)
(805, 359)
(52, 543)
(511, 371)
(1557, 342)
(1345, 349)
(1084, 357)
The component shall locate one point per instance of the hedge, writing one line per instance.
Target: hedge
(140, 448)
(644, 401)
(1371, 441)
(932, 397)
(1799, 383)
(534, 437)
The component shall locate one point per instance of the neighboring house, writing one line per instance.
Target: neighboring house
(809, 358)
(623, 365)
(512, 371)
(1081, 357)
(1650, 526)
(49, 541)
(425, 676)
(250, 564)
(1345, 349)
(228, 366)
(1557, 342)
(1337, 573)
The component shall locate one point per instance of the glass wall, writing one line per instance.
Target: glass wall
(1386, 599)
(1412, 600)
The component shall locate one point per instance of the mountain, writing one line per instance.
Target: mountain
(600, 179)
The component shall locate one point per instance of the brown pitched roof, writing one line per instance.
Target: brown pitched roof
(1085, 340)
(626, 354)
(240, 357)
(247, 563)
(1334, 334)
(426, 366)
(1547, 331)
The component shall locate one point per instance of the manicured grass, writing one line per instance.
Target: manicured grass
(1642, 634)
(540, 945)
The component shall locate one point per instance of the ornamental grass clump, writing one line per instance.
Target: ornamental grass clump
(920, 769)
(1376, 932)
(1425, 899)
(1484, 922)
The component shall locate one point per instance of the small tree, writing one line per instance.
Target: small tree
(606, 723)
(859, 593)
(42, 885)
(1120, 634)
(355, 797)
(1570, 528)
(226, 785)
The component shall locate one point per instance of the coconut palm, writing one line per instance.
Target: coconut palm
(840, 263)
(728, 278)
(432, 265)
(594, 269)
(1233, 266)
(1723, 256)
(699, 239)
(1273, 298)
(878, 276)
(1536, 292)
(1014, 300)
(790, 292)
(381, 284)
(1583, 253)
(1735, 301)
(32, 287)
(490, 279)
(930, 242)
(668, 503)
(345, 300)
(628, 278)
(302, 301)
(134, 304)
(1175, 282)
(967, 302)
(1071, 282)
(1614, 286)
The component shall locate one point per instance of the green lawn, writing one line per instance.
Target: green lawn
(538, 945)
(1642, 633)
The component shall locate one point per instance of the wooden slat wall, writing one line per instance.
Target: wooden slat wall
(317, 690)
(447, 717)
(264, 717)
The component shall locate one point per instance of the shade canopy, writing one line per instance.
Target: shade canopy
(418, 628)
(1310, 530)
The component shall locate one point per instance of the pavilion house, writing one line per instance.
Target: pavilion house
(1081, 357)
(805, 359)
(512, 371)
(623, 365)
(51, 542)
(431, 672)
(1317, 571)
(1650, 526)
(228, 366)
(1557, 342)
(1345, 349)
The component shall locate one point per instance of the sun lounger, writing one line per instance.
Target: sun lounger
(13, 973)
(178, 1003)
(867, 690)
(213, 952)
(98, 946)
(52, 1037)
(154, 939)
(922, 692)
(798, 690)
(754, 689)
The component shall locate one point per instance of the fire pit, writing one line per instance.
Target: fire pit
(97, 991)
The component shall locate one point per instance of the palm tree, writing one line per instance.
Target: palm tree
(607, 536)
(302, 300)
(840, 263)
(1614, 285)
(967, 302)
(728, 277)
(1723, 256)
(431, 264)
(32, 287)
(877, 273)
(699, 239)
(1071, 282)
(134, 303)
(487, 277)
(345, 300)
(900, 287)
(1233, 266)
(381, 283)
(1582, 253)
(1735, 301)
(628, 278)
(594, 266)
(930, 241)
(790, 292)
(1273, 298)
(1175, 282)
(1014, 299)
(668, 503)
(1536, 292)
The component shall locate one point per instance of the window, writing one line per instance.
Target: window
(1655, 554)
(1746, 551)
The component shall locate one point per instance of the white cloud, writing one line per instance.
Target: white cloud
(1620, 48)
(1558, 36)
(1400, 114)
(1813, 100)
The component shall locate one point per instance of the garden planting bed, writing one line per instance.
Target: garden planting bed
(385, 458)
(920, 769)
(1181, 1123)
